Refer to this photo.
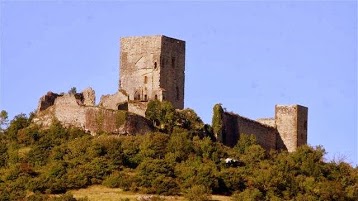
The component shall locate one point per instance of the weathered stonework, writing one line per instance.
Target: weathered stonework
(152, 67)
(89, 96)
(286, 131)
(113, 101)
(291, 123)
(78, 110)
(267, 121)
(47, 100)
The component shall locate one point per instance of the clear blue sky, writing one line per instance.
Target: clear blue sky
(248, 56)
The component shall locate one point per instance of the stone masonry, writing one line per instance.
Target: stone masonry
(286, 131)
(153, 68)
(79, 110)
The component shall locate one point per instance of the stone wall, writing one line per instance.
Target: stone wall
(172, 76)
(265, 135)
(302, 125)
(115, 122)
(47, 101)
(138, 108)
(71, 110)
(89, 96)
(286, 131)
(291, 123)
(234, 125)
(230, 133)
(112, 101)
(152, 67)
(267, 121)
(139, 67)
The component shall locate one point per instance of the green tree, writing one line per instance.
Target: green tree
(3, 119)
(19, 122)
(72, 91)
(162, 114)
(217, 122)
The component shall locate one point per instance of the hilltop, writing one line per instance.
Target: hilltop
(179, 157)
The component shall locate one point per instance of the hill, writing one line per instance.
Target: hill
(179, 158)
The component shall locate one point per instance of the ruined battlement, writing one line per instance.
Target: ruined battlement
(79, 110)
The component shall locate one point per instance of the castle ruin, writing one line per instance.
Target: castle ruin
(153, 68)
(286, 131)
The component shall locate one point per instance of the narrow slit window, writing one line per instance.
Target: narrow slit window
(145, 79)
(173, 62)
(155, 65)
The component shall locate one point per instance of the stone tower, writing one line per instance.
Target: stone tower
(152, 67)
(291, 123)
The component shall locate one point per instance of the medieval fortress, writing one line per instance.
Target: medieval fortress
(153, 68)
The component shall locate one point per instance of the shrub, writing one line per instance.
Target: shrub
(198, 193)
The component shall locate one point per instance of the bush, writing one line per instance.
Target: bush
(248, 195)
(198, 193)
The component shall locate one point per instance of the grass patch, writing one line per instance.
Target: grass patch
(102, 193)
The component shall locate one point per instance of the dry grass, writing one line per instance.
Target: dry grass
(101, 193)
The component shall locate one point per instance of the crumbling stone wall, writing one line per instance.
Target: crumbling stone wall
(89, 96)
(113, 101)
(69, 112)
(47, 101)
(77, 110)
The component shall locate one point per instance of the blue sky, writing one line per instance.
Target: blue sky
(246, 55)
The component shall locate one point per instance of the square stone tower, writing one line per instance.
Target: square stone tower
(291, 124)
(152, 67)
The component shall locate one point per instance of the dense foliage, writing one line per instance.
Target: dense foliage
(181, 159)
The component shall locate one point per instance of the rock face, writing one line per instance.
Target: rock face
(78, 110)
